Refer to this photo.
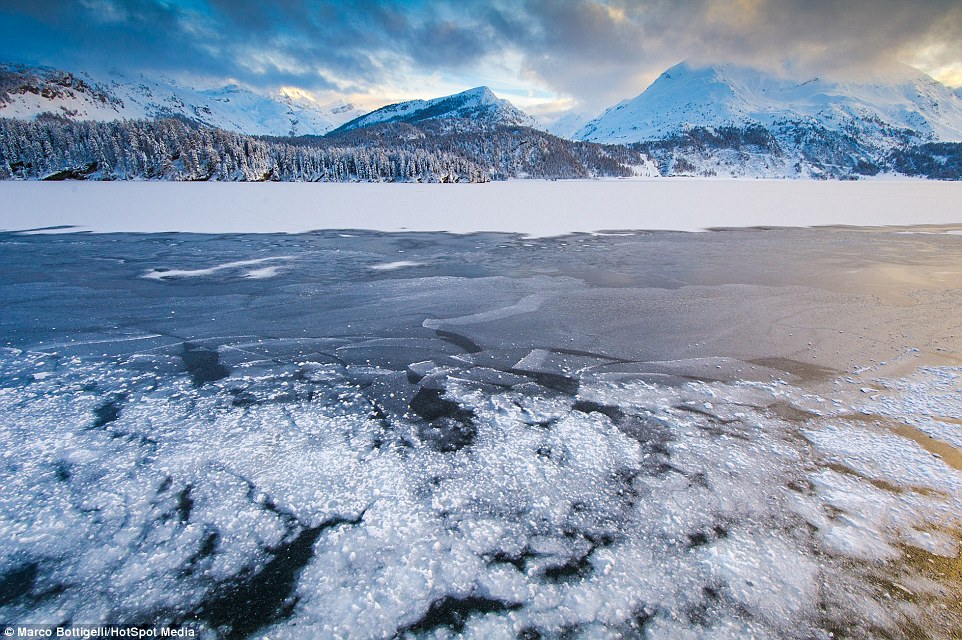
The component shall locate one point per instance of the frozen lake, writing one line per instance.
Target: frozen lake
(532, 207)
(741, 433)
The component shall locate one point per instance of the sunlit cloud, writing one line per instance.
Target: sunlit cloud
(940, 62)
(296, 93)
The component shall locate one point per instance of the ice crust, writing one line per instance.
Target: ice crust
(931, 400)
(623, 508)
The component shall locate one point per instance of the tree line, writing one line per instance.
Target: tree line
(56, 148)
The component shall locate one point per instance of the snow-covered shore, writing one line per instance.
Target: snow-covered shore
(534, 208)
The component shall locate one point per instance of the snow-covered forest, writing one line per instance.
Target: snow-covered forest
(53, 147)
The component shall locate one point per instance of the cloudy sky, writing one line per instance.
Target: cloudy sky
(547, 56)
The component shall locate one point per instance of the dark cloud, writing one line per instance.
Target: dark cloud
(596, 51)
(446, 43)
(314, 44)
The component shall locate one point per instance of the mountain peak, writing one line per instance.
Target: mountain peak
(482, 93)
(687, 66)
(478, 104)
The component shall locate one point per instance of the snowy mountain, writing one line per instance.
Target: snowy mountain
(478, 104)
(726, 95)
(729, 120)
(26, 92)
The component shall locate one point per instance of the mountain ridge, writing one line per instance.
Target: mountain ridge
(716, 120)
(28, 91)
(687, 96)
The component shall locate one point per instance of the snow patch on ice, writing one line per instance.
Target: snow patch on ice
(886, 456)
(929, 400)
(267, 272)
(392, 266)
(264, 273)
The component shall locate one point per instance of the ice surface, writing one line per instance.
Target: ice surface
(477, 448)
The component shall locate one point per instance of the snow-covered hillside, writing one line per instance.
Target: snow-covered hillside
(686, 96)
(26, 92)
(479, 104)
